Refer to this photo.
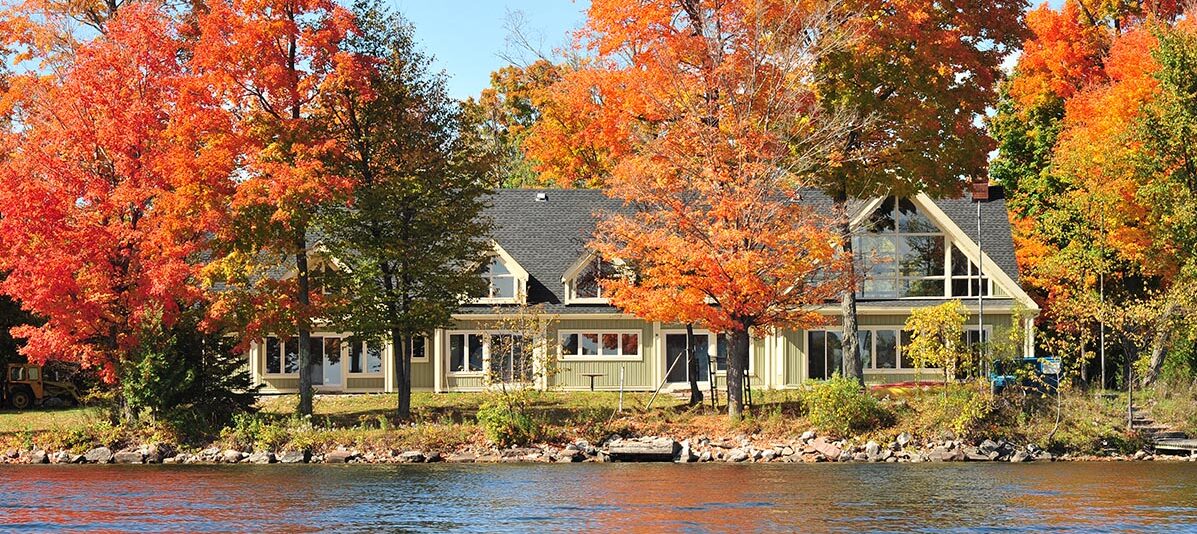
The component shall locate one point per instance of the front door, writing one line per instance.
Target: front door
(675, 357)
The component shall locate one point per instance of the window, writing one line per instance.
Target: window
(419, 348)
(371, 363)
(966, 277)
(600, 345)
(901, 253)
(282, 358)
(509, 358)
(588, 283)
(824, 354)
(973, 336)
(465, 353)
(500, 281)
(880, 350)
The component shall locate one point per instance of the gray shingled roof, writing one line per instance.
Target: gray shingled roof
(546, 238)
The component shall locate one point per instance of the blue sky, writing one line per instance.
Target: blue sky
(469, 37)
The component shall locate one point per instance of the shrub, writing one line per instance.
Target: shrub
(963, 408)
(506, 427)
(841, 406)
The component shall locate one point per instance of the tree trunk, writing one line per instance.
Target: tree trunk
(737, 360)
(305, 328)
(692, 367)
(850, 340)
(1159, 344)
(402, 364)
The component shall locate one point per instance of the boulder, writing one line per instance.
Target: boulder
(941, 454)
(231, 456)
(60, 457)
(339, 457)
(153, 454)
(768, 455)
(1019, 457)
(872, 449)
(261, 457)
(98, 455)
(685, 453)
(411, 457)
(827, 449)
(988, 446)
(738, 455)
(293, 457)
(705, 456)
(807, 436)
(904, 439)
(128, 457)
(467, 457)
(37, 457)
(647, 449)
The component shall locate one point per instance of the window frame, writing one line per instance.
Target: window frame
(282, 357)
(898, 238)
(486, 354)
(518, 275)
(899, 343)
(711, 335)
(620, 357)
(571, 284)
(383, 356)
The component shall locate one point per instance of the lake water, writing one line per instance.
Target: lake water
(1081, 497)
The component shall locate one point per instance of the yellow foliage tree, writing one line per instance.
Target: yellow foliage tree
(937, 338)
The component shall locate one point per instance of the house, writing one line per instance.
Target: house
(913, 252)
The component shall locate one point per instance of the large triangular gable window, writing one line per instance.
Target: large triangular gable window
(506, 282)
(903, 253)
(900, 252)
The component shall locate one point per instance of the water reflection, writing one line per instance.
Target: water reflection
(436, 498)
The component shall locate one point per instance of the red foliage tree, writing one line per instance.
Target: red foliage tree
(104, 207)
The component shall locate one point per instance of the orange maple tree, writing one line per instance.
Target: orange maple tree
(103, 208)
(702, 117)
(273, 63)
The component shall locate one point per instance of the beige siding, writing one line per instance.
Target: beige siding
(364, 383)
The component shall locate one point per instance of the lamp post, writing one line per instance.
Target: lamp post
(980, 193)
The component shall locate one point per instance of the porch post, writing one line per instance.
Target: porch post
(437, 360)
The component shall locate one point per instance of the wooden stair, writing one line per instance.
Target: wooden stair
(1161, 437)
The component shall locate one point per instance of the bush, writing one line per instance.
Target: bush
(965, 409)
(506, 427)
(841, 406)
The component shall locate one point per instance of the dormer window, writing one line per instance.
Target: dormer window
(504, 280)
(584, 281)
(588, 284)
(500, 282)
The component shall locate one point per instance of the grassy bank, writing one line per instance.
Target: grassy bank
(1087, 423)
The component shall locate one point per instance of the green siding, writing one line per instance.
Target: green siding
(372, 383)
(639, 374)
(796, 348)
(281, 384)
(422, 374)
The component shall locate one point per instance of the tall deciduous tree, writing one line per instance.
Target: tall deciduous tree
(101, 221)
(272, 61)
(918, 81)
(705, 115)
(505, 113)
(409, 241)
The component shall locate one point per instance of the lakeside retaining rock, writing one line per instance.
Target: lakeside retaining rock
(98, 455)
(128, 457)
(293, 457)
(259, 457)
(647, 449)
